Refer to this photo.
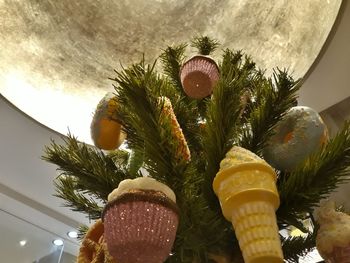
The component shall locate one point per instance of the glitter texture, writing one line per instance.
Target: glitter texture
(199, 76)
(140, 231)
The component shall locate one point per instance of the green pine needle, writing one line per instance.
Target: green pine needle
(223, 112)
(139, 89)
(205, 45)
(269, 102)
(82, 230)
(296, 247)
(67, 189)
(172, 59)
(185, 108)
(94, 171)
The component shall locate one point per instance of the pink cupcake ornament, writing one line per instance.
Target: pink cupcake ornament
(140, 221)
(198, 76)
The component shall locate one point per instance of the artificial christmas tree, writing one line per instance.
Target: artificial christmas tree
(180, 142)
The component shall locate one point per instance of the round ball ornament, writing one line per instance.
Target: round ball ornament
(198, 76)
(106, 132)
(298, 135)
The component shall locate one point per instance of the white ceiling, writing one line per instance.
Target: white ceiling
(20, 222)
(328, 81)
(27, 189)
(26, 181)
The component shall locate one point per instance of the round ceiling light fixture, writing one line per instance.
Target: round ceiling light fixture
(22, 243)
(72, 234)
(58, 242)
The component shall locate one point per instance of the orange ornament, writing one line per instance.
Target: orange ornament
(106, 132)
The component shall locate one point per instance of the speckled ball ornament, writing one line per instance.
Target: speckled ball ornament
(199, 76)
(140, 221)
(298, 135)
(106, 132)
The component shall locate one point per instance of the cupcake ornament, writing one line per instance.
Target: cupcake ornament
(198, 76)
(333, 236)
(140, 221)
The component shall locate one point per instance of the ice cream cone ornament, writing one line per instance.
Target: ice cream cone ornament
(246, 188)
(333, 236)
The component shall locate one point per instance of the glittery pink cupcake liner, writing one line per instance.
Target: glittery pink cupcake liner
(193, 73)
(140, 231)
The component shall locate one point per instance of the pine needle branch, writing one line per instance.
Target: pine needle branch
(172, 59)
(82, 230)
(185, 108)
(95, 172)
(223, 112)
(316, 178)
(296, 247)
(138, 92)
(65, 189)
(270, 100)
(119, 157)
(219, 134)
(205, 45)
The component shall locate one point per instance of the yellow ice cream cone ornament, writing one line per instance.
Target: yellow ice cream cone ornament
(246, 188)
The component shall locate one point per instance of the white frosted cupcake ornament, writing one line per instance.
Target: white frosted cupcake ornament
(333, 237)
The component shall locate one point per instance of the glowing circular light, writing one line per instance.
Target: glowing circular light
(58, 242)
(72, 234)
(22, 243)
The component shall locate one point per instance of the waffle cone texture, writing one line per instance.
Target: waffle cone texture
(246, 188)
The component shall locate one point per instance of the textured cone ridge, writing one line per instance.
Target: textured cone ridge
(256, 229)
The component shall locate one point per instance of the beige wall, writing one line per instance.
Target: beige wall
(335, 116)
